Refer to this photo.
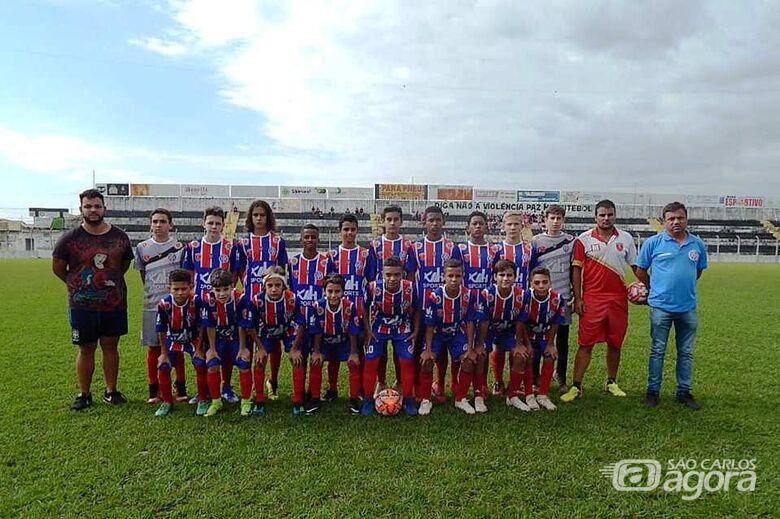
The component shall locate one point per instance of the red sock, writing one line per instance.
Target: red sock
(259, 382)
(464, 382)
(454, 370)
(398, 370)
(276, 361)
(407, 377)
(546, 377)
(355, 380)
(201, 379)
(370, 369)
(245, 379)
(151, 364)
(424, 388)
(515, 377)
(497, 358)
(333, 373)
(213, 378)
(299, 381)
(227, 370)
(381, 371)
(528, 380)
(441, 368)
(315, 380)
(180, 369)
(164, 376)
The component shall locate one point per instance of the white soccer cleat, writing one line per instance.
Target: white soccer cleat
(464, 406)
(517, 403)
(544, 401)
(479, 405)
(425, 407)
(530, 401)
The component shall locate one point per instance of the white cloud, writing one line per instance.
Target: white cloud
(164, 47)
(49, 153)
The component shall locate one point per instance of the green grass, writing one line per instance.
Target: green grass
(109, 462)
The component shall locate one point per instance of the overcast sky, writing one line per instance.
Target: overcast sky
(662, 96)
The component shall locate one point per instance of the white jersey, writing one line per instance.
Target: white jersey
(555, 254)
(157, 260)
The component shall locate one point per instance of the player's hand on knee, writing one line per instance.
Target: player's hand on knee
(163, 360)
(427, 356)
(212, 354)
(317, 359)
(296, 357)
(354, 359)
(551, 352)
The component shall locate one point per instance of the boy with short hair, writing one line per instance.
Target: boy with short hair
(155, 259)
(543, 311)
(449, 324)
(177, 319)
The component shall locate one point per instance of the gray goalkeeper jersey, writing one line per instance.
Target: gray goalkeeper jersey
(555, 253)
(157, 260)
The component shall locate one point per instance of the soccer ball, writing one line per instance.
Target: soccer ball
(388, 402)
(637, 293)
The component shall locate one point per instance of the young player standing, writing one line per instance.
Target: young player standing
(554, 252)
(155, 259)
(262, 247)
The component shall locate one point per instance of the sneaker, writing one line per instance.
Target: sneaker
(479, 405)
(246, 406)
(438, 392)
(203, 406)
(331, 395)
(228, 394)
(82, 402)
(425, 407)
(164, 409)
(498, 388)
(614, 389)
(194, 400)
(270, 390)
(298, 410)
(562, 389)
(572, 394)
(410, 406)
(367, 407)
(531, 402)
(545, 402)
(313, 405)
(465, 406)
(181, 392)
(114, 398)
(354, 405)
(650, 399)
(258, 409)
(154, 393)
(688, 401)
(515, 402)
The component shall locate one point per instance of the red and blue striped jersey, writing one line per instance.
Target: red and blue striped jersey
(401, 247)
(431, 256)
(202, 257)
(335, 326)
(391, 312)
(357, 266)
(252, 254)
(273, 319)
(502, 312)
(539, 316)
(179, 323)
(523, 255)
(450, 314)
(478, 266)
(307, 278)
(223, 316)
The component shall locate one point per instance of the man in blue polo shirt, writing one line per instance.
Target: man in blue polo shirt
(675, 259)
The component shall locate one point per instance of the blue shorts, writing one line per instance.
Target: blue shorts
(402, 346)
(269, 343)
(505, 341)
(336, 351)
(173, 357)
(227, 349)
(538, 347)
(187, 348)
(456, 344)
(87, 326)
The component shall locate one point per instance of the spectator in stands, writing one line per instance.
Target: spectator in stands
(361, 210)
(92, 260)
(675, 259)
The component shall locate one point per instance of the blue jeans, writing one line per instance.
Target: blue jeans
(685, 324)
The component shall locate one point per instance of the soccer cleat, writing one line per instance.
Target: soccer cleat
(573, 393)
(531, 402)
(410, 407)
(562, 389)
(354, 405)
(514, 401)
(259, 409)
(270, 390)
(498, 388)
(203, 406)
(214, 407)
(246, 406)
(194, 400)
(367, 407)
(164, 409)
(298, 410)
(688, 401)
(465, 406)
(479, 405)
(181, 392)
(425, 407)
(331, 395)
(228, 394)
(438, 392)
(545, 402)
(313, 405)
(81, 402)
(114, 397)
(614, 389)
(650, 399)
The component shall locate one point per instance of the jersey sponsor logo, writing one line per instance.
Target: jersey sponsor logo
(306, 295)
(433, 276)
(350, 285)
(479, 277)
(693, 255)
(595, 247)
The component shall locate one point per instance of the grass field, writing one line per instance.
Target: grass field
(110, 462)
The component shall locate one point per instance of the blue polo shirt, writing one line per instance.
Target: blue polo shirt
(673, 268)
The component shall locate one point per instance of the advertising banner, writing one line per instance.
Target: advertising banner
(303, 192)
(155, 190)
(401, 191)
(261, 192)
(204, 191)
(741, 201)
(451, 192)
(114, 189)
(495, 195)
(351, 193)
(491, 208)
(532, 195)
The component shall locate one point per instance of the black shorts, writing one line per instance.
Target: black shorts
(87, 326)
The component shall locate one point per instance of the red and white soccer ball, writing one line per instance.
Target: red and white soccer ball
(388, 402)
(637, 293)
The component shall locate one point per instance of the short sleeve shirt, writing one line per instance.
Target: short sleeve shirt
(157, 260)
(604, 263)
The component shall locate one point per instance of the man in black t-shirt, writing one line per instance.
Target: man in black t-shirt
(92, 260)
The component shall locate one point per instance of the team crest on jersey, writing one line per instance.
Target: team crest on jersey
(693, 255)
(567, 248)
(418, 245)
(223, 258)
(293, 261)
(172, 258)
(436, 299)
(323, 262)
(378, 291)
(197, 257)
(364, 253)
(320, 310)
(194, 243)
(445, 256)
(619, 247)
(318, 275)
(272, 252)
